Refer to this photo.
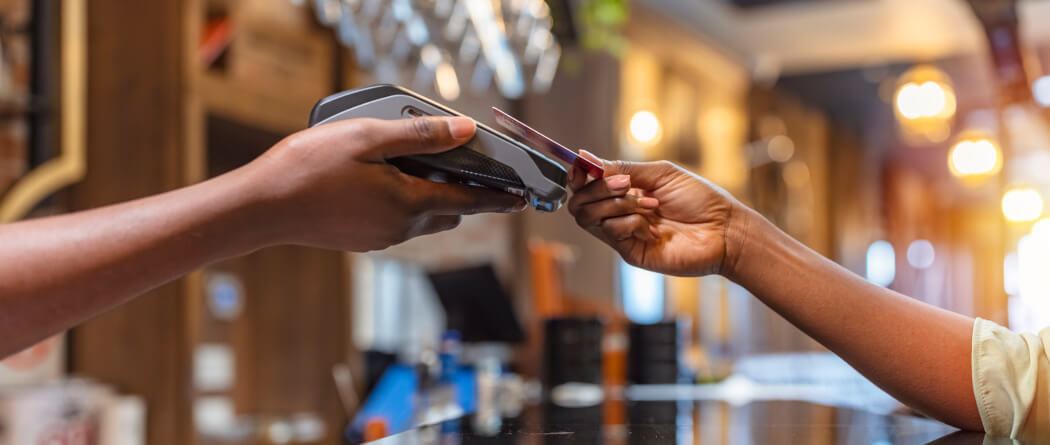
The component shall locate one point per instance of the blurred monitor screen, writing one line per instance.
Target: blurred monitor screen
(476, 305)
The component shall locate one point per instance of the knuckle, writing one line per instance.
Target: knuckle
(426, 130)
(574, 205)
(296, 140)
(621, 166)
(411, 202)
(666, 166)
(390, 173)
(361, 133)
(302, 144)
(591, 217)
(582, 220)
(610, 230)
(359, 129)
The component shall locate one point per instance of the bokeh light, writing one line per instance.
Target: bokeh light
(974, 157)
(645, 127)
(781, 148)
(925, 104)
(881, 267)
(643, 294)
(1022, 205)
(447, 82)
(924, 93)
(1041, 228)
(1041, 90)
(927, 99)
(921, 254)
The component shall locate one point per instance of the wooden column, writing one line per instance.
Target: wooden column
(135, 147)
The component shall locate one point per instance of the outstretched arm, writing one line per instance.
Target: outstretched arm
(917, 352)
(669, 220)
(326, 187)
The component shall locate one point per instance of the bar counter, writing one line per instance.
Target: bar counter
(690, 422)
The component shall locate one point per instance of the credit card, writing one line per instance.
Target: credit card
(538, 141)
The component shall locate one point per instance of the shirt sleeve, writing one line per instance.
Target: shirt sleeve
(1011, 374)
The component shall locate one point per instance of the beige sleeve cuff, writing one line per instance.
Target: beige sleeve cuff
(1010, 376)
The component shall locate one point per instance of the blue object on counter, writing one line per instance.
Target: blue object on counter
(451, 349)
(395, 395)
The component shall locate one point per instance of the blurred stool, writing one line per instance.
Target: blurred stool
(652, 356)
(572, 351)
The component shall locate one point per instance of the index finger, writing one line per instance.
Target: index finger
(607, 187)
(578, 177)
(454, 199)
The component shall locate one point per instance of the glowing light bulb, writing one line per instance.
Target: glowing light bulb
(974, 157)
(645, 127)
(1022, 204)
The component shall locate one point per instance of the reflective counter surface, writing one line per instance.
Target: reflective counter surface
(689, 422)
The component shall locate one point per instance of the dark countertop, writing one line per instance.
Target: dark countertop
(689, 422)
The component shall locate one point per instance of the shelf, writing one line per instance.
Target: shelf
(267, 110)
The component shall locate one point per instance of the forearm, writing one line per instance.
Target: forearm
(57, 272)
(918, 353)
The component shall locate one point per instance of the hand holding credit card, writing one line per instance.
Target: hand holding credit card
(545, 144)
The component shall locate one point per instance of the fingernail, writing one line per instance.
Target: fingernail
(618, 182)
(572, 175)
(522, 205)
(461, 127)
(648, 203)
(654, 231)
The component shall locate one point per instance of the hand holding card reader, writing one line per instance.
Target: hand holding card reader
(490, 159)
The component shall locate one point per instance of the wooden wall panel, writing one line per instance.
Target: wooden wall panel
(293, 330)
(134, 138)
(294, 325)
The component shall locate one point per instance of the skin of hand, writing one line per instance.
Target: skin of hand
(675, 222)
(658, 216)
(332, 187)
(326, 187)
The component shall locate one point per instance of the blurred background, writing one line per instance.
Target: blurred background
(906, 140)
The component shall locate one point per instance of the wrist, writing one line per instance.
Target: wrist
(737, 238)
(254, 219)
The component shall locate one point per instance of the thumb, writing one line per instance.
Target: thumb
(644, 175)
(421, 135)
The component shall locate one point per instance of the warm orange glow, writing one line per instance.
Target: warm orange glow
(924, 92)
(446, 81)
(1041, 227)
(925, 104)
(974, 157)
(927, 99)
(1022, 205)
(645, 127)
